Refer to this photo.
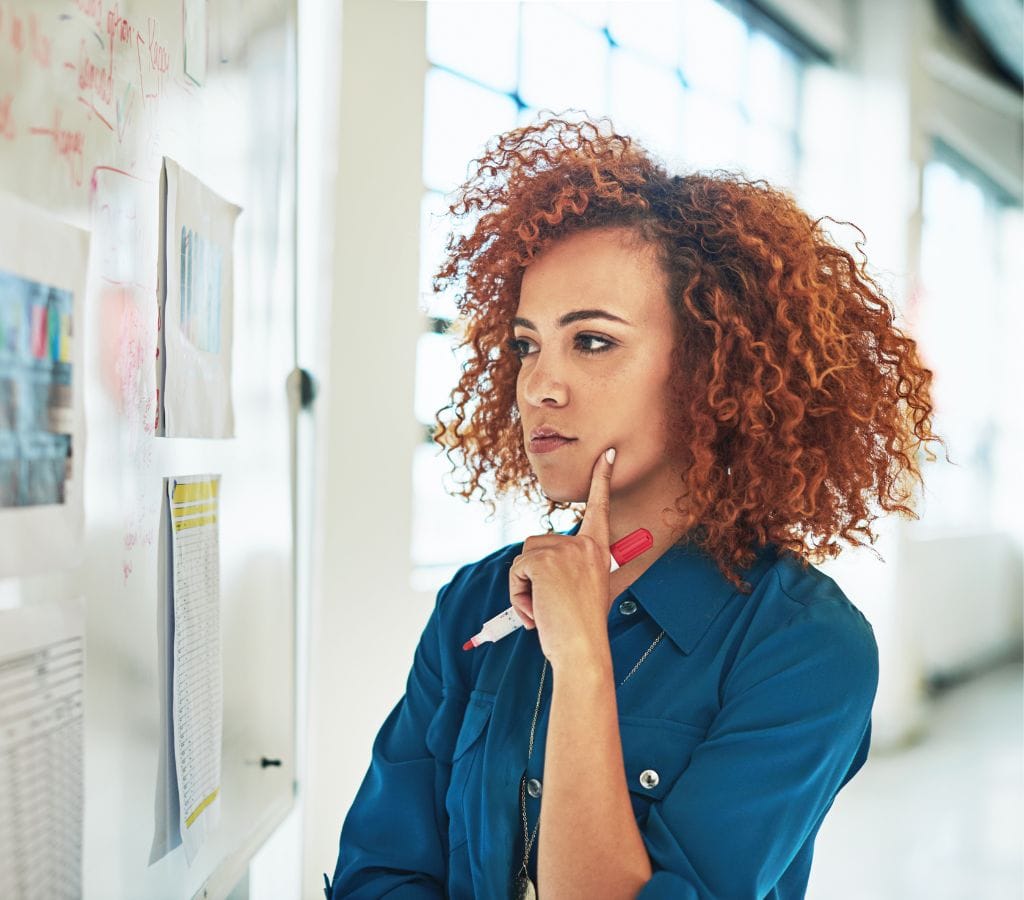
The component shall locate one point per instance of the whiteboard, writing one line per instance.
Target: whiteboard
(93, 95)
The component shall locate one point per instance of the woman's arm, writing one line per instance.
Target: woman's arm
(589, 845)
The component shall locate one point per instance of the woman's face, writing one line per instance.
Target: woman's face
(595, 335)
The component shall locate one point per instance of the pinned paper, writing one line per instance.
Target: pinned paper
(188, 782)
(42, 671)
(42, 281)
(196, 291)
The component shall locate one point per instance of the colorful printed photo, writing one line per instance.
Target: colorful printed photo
(35, 391)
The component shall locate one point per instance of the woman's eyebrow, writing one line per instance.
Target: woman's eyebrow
(577, 315)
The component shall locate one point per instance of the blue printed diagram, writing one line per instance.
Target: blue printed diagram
(35, 392)
(202, 263)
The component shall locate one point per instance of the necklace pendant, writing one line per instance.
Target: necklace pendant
(524, 889)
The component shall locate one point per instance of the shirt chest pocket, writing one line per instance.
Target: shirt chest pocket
(465, 787)
(655, 753)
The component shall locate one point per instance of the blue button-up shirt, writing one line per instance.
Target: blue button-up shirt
(752, 712)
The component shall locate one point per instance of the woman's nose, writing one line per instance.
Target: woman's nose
(543, 383)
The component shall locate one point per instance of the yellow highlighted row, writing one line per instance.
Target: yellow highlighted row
(179, 512)
(195, 523)
(196, 490)
(201, 807)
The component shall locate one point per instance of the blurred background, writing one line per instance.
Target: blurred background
(904, 118)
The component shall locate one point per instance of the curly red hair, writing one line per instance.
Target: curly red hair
(799, 404)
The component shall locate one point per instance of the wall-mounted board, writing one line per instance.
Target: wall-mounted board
(94, 94)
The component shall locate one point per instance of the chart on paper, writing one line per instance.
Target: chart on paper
(42, 665)
(197, 676)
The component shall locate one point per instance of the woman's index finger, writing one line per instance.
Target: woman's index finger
(595, 516)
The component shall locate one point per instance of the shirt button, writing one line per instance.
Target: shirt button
(627, 607)
(649, 778)
(533, 787)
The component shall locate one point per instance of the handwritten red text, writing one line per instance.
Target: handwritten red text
(6, 118)
(92, 8)
(39, 42)
(119, 28)
(92, 77)
(69, 144)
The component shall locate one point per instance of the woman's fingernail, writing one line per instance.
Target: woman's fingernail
(609, 454)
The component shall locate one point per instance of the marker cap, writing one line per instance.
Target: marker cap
(631, 546)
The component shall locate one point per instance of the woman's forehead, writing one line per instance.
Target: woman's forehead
(608, 269)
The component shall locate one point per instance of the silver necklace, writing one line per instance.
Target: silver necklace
(523, 887)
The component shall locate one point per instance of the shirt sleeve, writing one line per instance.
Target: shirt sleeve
(394, 841)
(795, 713)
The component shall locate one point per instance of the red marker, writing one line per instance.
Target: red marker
(503, 624)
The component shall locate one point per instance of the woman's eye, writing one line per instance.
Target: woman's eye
(518, 346)
(584, 343)
(592, 343)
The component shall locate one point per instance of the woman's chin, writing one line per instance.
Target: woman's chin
(565, 493)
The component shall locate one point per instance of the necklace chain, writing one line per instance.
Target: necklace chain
(646, 653)
(528, 841)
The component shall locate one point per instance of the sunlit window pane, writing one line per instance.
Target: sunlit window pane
(950, 198)
(1008, 472)
(713, 48)
(712, 132)
(564, 62)
(458, 118)
(437, 371)
(770, 154)
(461, 36)
(825, 101)
(594, 14)
(826, 139)
(772, 82)
(527, 115)
(647, 102)
(651, 29)
(438, 517)
(447, 532)
(961, 329)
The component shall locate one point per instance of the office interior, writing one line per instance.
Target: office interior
(904, 118)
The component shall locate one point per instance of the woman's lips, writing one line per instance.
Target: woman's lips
(548, 443)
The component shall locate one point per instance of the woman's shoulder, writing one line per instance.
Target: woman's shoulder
(802, 586)
(799, 620)
(799, 599)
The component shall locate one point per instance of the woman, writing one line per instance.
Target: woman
(680, 727)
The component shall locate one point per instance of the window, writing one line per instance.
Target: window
(701, 84)
(968, 319)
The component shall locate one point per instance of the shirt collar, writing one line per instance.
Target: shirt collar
(683, 590)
